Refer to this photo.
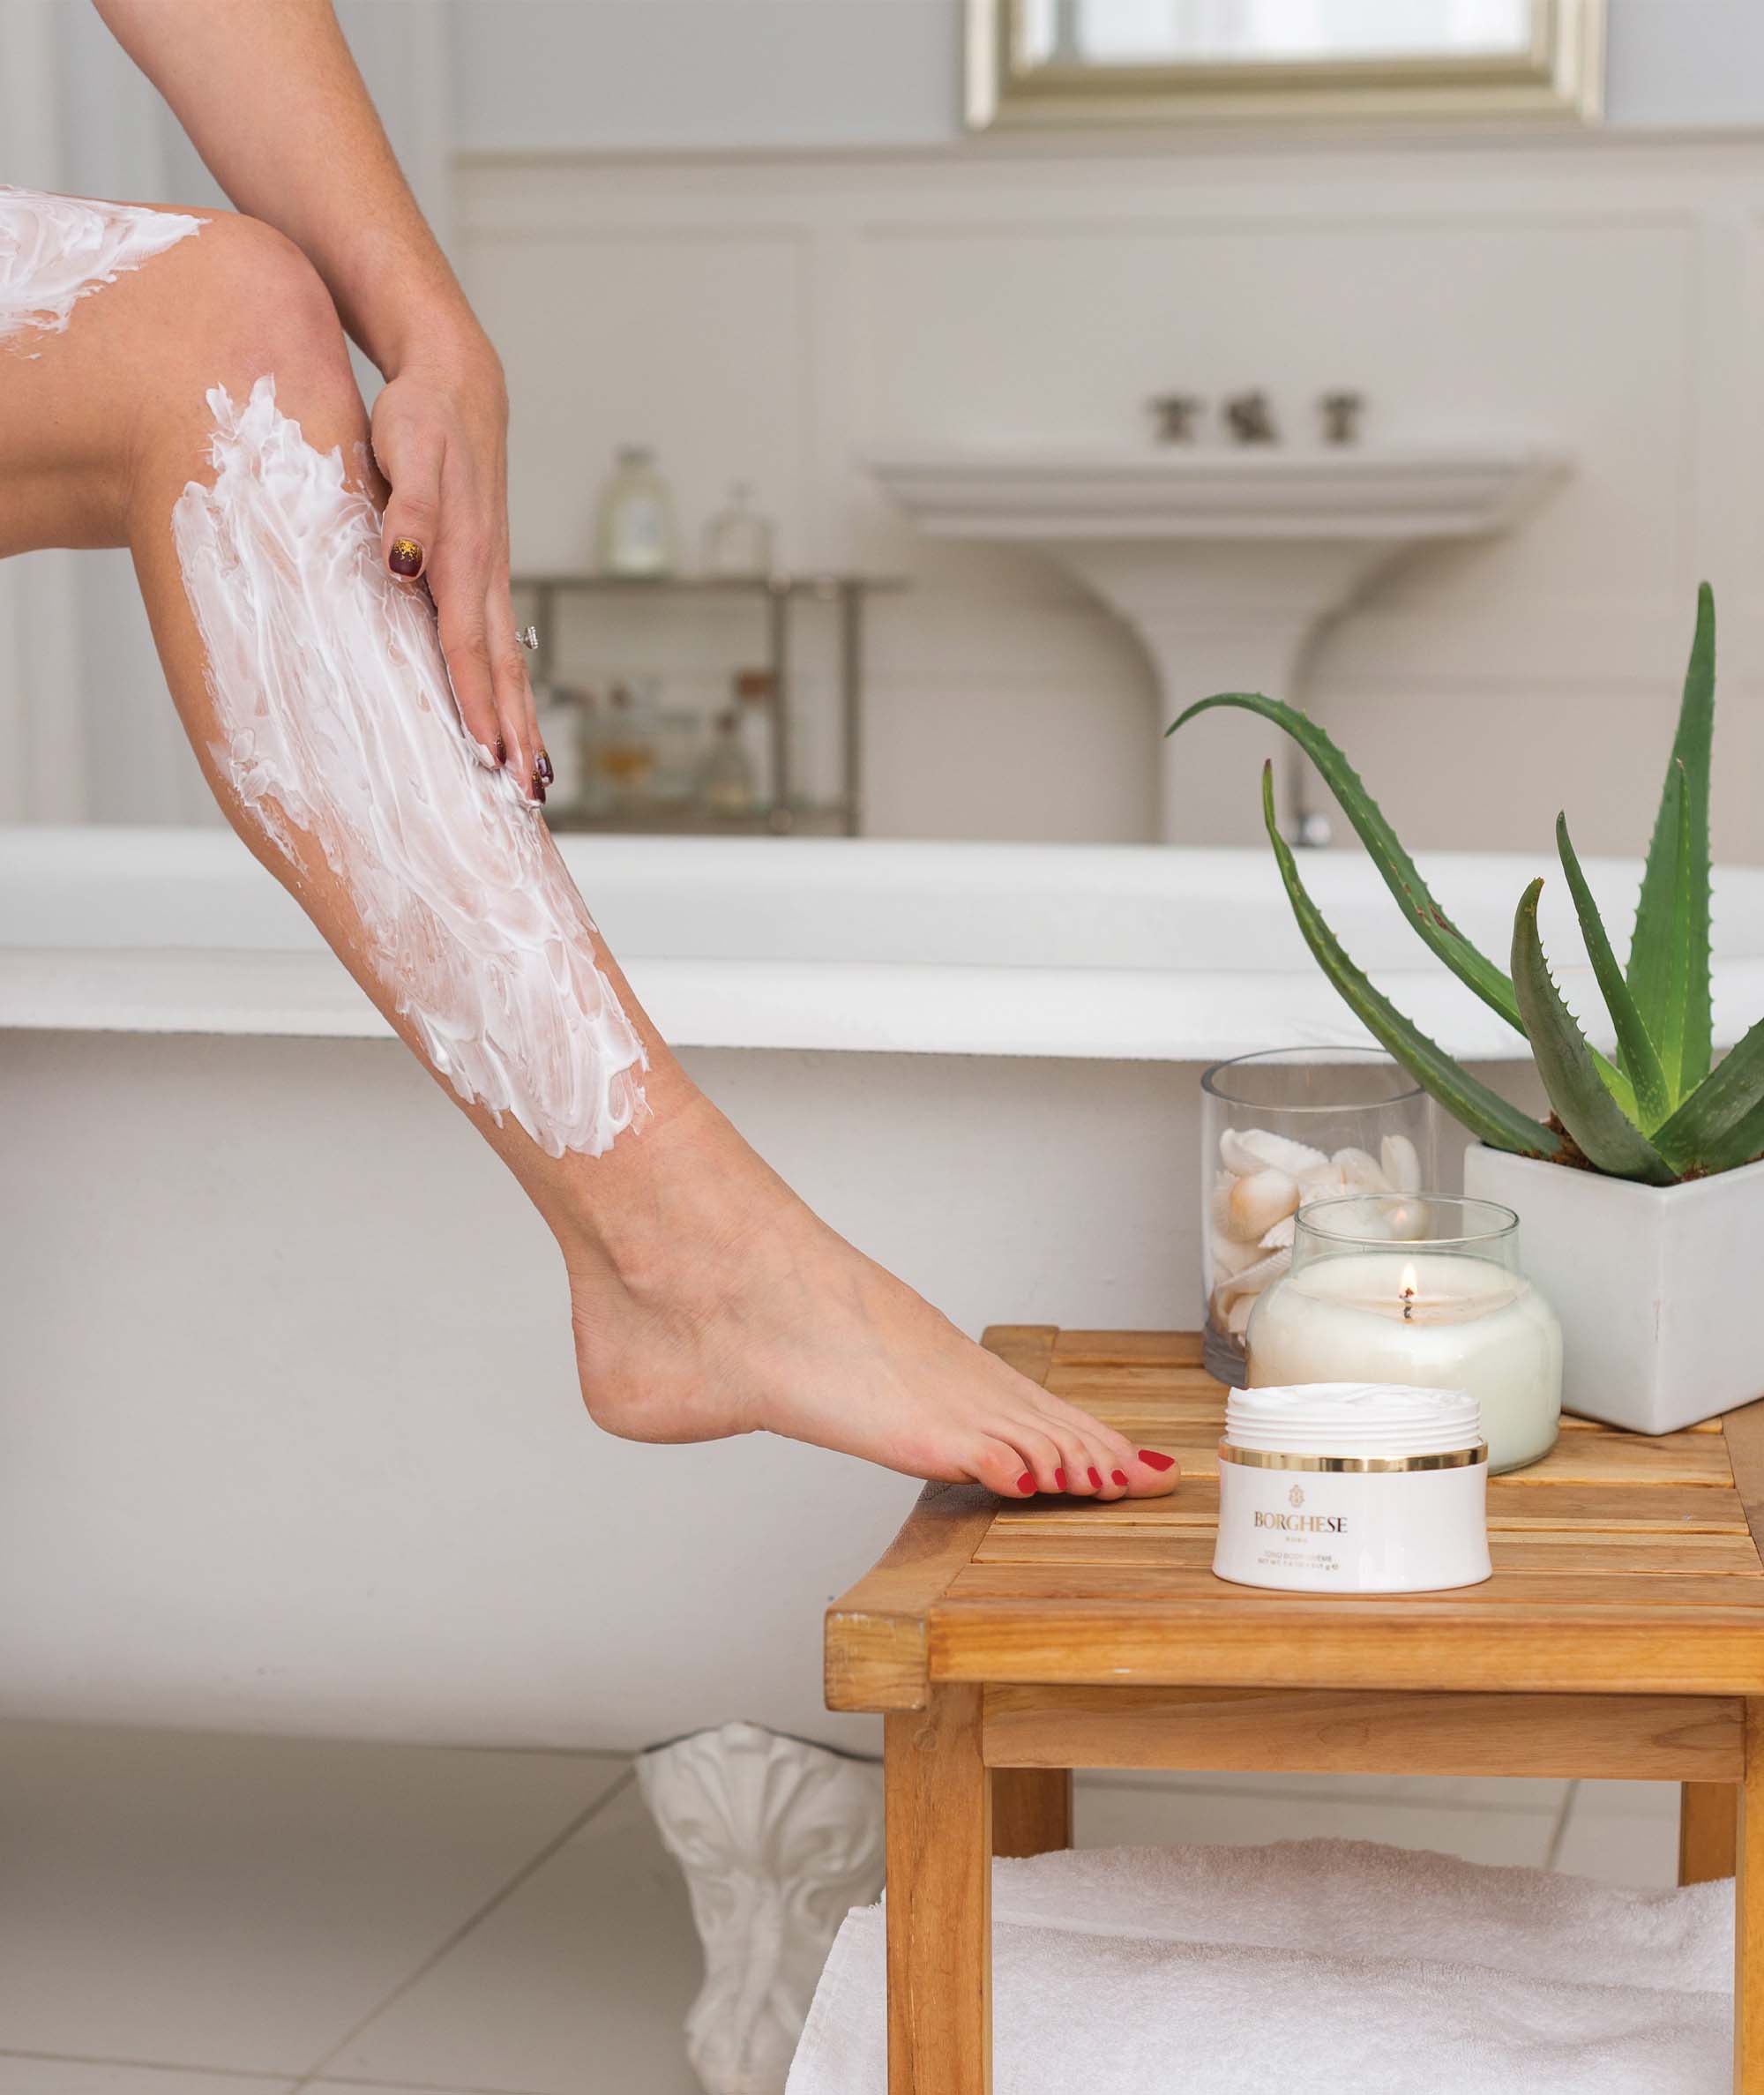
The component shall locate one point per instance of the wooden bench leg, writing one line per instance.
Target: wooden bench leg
(1748, 1933)
(1709, 1822)
(1031, 1810)
(939, 1842)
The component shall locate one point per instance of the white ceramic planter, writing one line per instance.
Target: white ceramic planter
(1657, 1287)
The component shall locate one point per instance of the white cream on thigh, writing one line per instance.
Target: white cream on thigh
(336, 720)
(54, 250)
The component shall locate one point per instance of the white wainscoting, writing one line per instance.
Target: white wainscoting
(782, 320)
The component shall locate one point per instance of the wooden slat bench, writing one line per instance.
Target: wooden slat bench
(1622, 1636)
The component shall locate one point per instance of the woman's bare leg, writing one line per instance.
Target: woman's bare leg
(706, 1298)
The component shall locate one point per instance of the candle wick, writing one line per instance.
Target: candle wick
(1408, 1306)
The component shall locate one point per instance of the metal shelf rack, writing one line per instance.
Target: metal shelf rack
(778, 595)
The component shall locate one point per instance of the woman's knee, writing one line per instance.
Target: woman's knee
(250, 306)
(260, 304)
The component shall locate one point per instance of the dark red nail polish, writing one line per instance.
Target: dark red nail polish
(1025, 1482)
(1153, 1460)
(542, 766)
(539, 788)
(1095, 1477)
(1120, 1476)
(406, 558)
(501, 750)
(1059, 1480)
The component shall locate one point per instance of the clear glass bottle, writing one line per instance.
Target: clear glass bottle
(626, 752)
(737, 539)
(635, 534)
(1421, 1289)
(725, 783)
(1282, 1128)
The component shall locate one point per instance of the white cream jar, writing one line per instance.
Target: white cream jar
(1353, 1487)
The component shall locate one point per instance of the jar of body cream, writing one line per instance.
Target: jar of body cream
(1353, 1487)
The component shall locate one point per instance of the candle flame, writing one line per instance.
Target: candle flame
(1409, 1289)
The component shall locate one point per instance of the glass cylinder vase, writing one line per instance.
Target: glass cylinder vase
(1280, 1127)
(1417, 1289)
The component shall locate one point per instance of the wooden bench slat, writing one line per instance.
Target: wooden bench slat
(1545, 1590)
(1413, 1642)
(1609, 1737)
(1670, 1508)
(1725, 1556)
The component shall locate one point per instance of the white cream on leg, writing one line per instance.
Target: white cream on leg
(56, 250)
(336, 720)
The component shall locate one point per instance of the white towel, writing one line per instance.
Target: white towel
(1342, 1967)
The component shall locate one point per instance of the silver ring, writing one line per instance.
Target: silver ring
(528, 636)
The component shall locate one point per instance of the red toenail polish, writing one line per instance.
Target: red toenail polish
(1025, 1482)
(1120, 1476)
(1095, 1477)
(1153, 1460)
(1059, 1480)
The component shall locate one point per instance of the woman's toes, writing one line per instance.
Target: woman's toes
(1000, 1469)
(1152, 1474)
(1042, 1458)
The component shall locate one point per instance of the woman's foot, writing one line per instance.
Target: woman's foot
(722, 1306)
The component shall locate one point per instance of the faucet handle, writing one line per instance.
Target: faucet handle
(1250, 418)
(1342, 412)
(1175, 413)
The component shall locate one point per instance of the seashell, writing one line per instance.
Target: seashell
(1361, 1171)
(1219, 1202)
(1238, 1317)
(1247, 1150)
(1231, 1256)
(1254, 1278)
(1279, 1238)
(1326, 1183)
(1256, 1203)
(1401, 1164)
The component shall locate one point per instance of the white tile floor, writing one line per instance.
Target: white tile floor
(184, 1915)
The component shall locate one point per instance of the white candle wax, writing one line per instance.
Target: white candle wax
(1432, 1319)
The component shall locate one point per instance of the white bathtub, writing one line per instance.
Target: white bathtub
(289, 1436)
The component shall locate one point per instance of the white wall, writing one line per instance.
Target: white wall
(622, 76)
(786, 318)
(844, 273)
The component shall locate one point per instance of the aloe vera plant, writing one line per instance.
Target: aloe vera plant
(1655, 1111)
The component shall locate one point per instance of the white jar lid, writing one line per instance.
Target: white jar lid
(1366, 1418)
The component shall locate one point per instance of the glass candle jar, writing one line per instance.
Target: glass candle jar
(1281, 1127)
(1420, 1290)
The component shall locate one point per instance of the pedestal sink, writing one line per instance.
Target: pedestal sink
(1226, 563)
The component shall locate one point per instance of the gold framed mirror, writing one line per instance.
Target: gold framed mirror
(1061, 62)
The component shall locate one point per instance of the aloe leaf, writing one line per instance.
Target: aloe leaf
(1645, 1081)
(1720, 1125)
(1608, 1138)
(1668, 956)
(1484, 1112)
(1397, 869)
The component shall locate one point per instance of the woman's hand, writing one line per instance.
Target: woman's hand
(440, 436)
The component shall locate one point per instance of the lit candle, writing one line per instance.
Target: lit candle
(1438, 1320)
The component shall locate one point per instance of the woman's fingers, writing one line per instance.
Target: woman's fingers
(407, 529)
(457, 586)
(514, 707)
(424, 538)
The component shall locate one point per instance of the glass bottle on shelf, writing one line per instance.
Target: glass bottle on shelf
(726, 784)
(558, 710)
(755, 695)
(636, 534)
(737, 539)
(627, 749)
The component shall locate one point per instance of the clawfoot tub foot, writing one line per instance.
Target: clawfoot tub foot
(777, 1840)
